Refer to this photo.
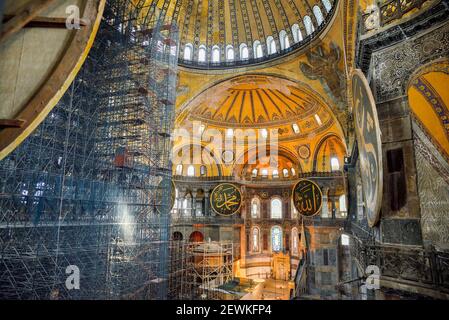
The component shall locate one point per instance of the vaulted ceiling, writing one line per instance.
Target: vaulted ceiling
(232, 23)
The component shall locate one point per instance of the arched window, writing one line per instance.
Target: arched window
(264, 133)
(216, 54)
(191, 171)
(179, 169)
(342, 204)
(309, 25)
(318, 15)
(202, 54)
(344, 240)
(244, 53)
(271, 45)
(230, 55)
(283, 38)
(203, 170)
(188, 51)
(335, 164)
(296, 31)
(258, 52)
(295, 241)
(294, 211)
(255, 208)
(275, 173)
(264, 173)
(255, 240)
(254, 173)
(327, 5)
(276, 239)
(285, 173)
(318, 120)
(295, 128)
(276, 209)
(293, 171)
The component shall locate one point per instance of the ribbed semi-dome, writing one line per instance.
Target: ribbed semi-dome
(230, 33)
(259, 102)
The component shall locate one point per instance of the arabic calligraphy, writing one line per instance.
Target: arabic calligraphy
(307, 198)
(226, 199)
(369, 145)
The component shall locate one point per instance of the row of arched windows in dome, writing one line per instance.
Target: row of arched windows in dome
(284, 41)
(191, 172)
(276, 240)
(275, 173)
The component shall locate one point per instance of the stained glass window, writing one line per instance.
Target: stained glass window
(276, 209)
(276, 239)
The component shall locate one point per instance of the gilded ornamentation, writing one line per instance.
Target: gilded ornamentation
(226, 199)
(307, 198)
(324, 66)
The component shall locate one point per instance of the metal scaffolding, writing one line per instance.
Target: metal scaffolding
(91, 187)
(209, 266)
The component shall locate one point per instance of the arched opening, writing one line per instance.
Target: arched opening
(258, 51)
(308, 25)
(318, 15)
(202, 54)
(271, 45)
(284, 40)
(244, 52)
(188, 52)
(177, 236)
(255, 208)
(276, 239)
(327, 5)
(255, 239)
(191, 171)
(230, 54)
(297, 35)
(215, 54)
(196, 236)
(329, 154)
(276, 208)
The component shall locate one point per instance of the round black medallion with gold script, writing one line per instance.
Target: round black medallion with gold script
(307, 197)
(226, 199)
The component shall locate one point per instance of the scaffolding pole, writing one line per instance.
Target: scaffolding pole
(90, 187)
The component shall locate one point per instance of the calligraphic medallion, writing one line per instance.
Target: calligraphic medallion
(307, 198)
(369, 143)
(226, 199)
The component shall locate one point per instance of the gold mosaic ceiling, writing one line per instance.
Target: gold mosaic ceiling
(258, 101)
(231, 23)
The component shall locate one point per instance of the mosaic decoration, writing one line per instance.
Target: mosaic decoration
(323, 65)
(226, 199)
(367, 131)
(304, 152)
(429, 93)
(307, 198)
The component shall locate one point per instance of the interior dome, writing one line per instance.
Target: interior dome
(217, 34)
(259, 101)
